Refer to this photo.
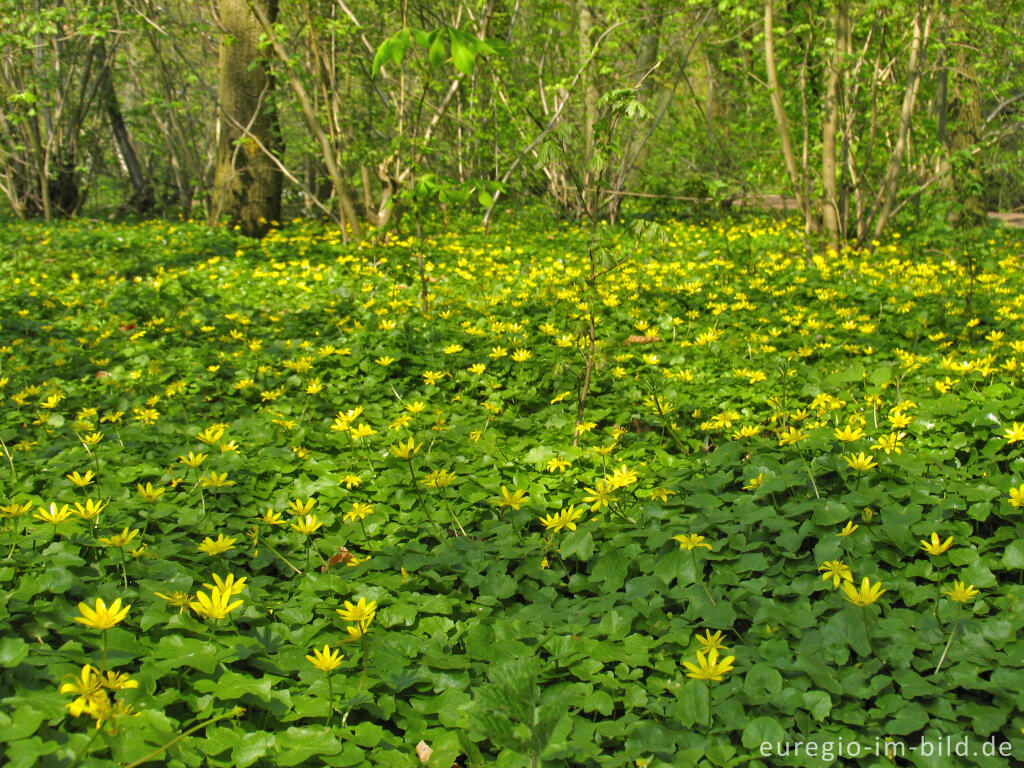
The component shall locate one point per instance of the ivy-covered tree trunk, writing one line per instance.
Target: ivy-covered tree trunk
(247, 183)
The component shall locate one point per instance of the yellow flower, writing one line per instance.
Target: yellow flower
(892, 443)
(148, 492)
(850, 528)
(351, 481)
(384, 360)
(211, 434)
(754, 483)
(836, 570)
(53, 515)
(848, 434)
(175, 599)
(361, 613)
(193, 460)
(691, 541)
(90, 510)
(325, 660)
(358, 511)
(308, 525)
(270, 517)
(222, 544)
(861, 462)
(215, 480)
(228, 584)
(81, 480)
(565, 519)
(405, 450)
(662, 494)
(120, 540)
(560, 397)
(936, 547)
(361, 430)
(961, 592)
(711, 642)
(452, 349)
(14, 509)
(513, 499)
(431, 378)
(497, 352)
(522, 355)
(557, 465)
(708, 667)
(297, 507)
(600, 495)
(866, 595)
(1017, 496)
(477, 368)
(215, 605)
(792, 436)
(1014, 434)
(622, 477)
(100, 616)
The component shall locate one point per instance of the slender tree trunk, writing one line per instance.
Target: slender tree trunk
(781, 121)
(247, 183)
(585, 27)
(964, 132)
(142, 198)
(890, 184)
(829, 166)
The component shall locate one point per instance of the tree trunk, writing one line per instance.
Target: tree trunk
(890, 184)
(963, 131)
(247, 184)
(142, 199)
(781, 121)
(829, 167)
(590, 96)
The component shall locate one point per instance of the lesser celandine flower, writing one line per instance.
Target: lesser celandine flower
(81, 480)
(307, 525)
(362, 612)
(711, 642)
(100, 616)
(121, 540)
(865, 595)
(358, 511)
(219, 546)
(90, 509)
(326, 660)
(229, 584)
(1017, 496)
(837, 571)
(848, 529)
(565, 519)
(691, 541)
(1014, 434)
(298, 507)
(935, 546)
(351, 481)
(861, 462)
(215, 605)
(708, 666)
(961, 592)
(405, 450)
(53, 515)
(150, 493)
(754, 483)
(513, 499)
(600, 495)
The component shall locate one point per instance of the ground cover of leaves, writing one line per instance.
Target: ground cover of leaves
(249, 451)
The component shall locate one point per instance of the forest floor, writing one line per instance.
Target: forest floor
(258, 506)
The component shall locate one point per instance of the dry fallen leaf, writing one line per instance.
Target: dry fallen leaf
(423, 752)
(642, 339)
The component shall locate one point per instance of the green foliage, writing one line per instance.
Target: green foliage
(735, 385)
